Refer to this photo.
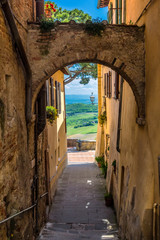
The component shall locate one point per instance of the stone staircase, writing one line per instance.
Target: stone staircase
(63, 231)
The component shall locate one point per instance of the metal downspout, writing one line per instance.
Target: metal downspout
(119, 117)
(20, 49)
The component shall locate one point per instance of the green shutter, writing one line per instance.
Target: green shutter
(120, 12)
(116, 11)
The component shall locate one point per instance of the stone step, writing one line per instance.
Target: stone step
(92, 235)
(62, 231)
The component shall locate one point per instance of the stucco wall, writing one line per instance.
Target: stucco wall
(143, 151)
(57, 140)
(15, 166)
(135, 184)
(17, 152)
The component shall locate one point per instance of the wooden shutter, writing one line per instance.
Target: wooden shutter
(59, 93)
(52, 92)
(116, 86)
(107, 84)
(56, 85)
(116, 11)
(47, 93)
(111, 13)
(110, 84)
(104, 80)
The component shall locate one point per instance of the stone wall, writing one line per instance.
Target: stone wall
(17, 164)
(71, 142)
(121, 48)
(81, 144)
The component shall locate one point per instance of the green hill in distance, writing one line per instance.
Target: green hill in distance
(82, 120)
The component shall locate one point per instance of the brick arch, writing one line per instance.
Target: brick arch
(121, 48)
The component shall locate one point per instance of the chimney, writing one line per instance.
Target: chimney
(39, 9)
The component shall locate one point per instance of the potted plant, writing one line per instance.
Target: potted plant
(51, 114)
(104, 166)
(100, 160)
(108, 199)
(49, 9)
(102, 118)
(114, 166)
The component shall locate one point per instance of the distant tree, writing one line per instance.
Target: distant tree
(64, 15)
(84, 71)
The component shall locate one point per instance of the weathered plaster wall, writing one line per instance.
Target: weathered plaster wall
(143, 151)
(16, 156)
(14, 164)
(111, 106)
(137, 179)
(57, 140)
(138, 185)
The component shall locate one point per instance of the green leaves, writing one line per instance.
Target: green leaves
(46, 25)
(64, 15)
(95, 27)
(102, 118)
(51, 114)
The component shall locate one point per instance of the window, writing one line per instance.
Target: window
(116, 86)
(109, 84)
(59, 96)
(57, 102)
(118, 11)
(105, 84)
(52, 91)
(110, 13)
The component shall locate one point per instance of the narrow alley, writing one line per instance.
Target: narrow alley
(79, 211)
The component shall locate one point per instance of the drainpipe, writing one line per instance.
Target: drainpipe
(21, 51)
(119, 116)
(39, 9)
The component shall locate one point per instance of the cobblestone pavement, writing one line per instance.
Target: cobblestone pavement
(78, 211)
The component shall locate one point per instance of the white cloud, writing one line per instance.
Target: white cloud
(76, 88)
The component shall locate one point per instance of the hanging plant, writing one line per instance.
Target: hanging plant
(51, 114)
(102, 118)
(95, 27)
(46, 25)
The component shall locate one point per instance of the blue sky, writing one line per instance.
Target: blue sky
(75, 87)
(88, 6)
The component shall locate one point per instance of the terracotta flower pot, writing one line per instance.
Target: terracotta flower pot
(99, 165)
(48, 13)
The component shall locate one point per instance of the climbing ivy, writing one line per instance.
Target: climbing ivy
(95, 27)
(46, 25)
(2, 117)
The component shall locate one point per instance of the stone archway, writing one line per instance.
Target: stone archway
(121, 48)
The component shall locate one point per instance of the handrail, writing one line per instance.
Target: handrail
(17, 214)
(23, 211)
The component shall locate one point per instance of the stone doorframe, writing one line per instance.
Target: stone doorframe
(120, 48)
